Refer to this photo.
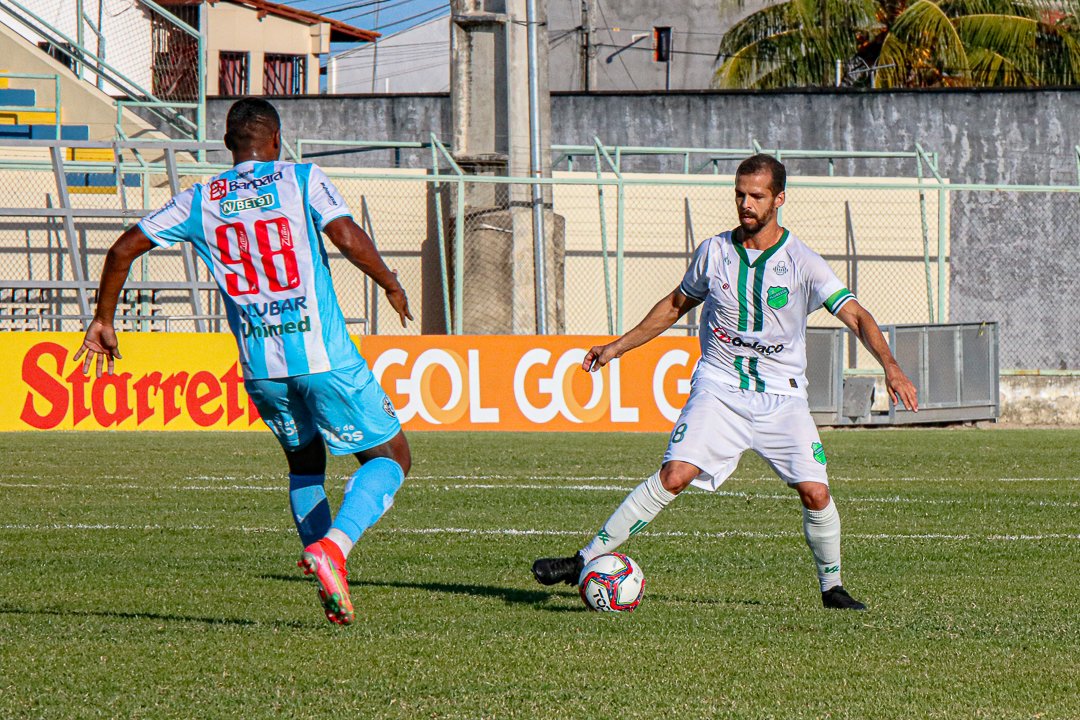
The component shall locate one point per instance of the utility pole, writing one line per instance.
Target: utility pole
(586, 42)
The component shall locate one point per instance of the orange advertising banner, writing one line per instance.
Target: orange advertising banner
(183, 381)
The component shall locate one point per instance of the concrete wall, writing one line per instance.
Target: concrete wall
(619, 58)
(1017, 137)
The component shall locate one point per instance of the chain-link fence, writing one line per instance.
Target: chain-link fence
(912, 251)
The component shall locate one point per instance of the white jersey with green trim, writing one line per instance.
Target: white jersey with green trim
(753, 322)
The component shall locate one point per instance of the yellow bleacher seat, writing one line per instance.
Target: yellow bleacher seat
(90, 155)
(92, 190)
(20, 117)
(3, 81)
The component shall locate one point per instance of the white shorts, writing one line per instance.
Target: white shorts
(721, 421)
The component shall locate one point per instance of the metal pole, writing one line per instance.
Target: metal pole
(200, 112)
(942, 238)
(537, 170)
(79, 34)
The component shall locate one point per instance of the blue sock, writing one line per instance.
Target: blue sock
(310, 508)
(368, 495)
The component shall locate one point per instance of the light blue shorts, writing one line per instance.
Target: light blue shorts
(345, 405)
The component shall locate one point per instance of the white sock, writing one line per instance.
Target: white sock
(340, 539)
(638, 509)
(822, 531)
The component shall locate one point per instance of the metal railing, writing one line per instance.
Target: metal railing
(114, 68)
(625, 240)
(54, 108)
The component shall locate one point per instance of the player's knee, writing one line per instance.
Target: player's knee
(676, 476)
(308, 460)
(814, 495)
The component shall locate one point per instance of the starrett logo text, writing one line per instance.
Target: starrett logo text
(56, 393)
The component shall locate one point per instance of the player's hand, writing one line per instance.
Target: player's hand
(399, 302)
(100, 343)
(600, 356)
(901, 388)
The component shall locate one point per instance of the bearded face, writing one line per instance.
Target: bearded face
(755, 201)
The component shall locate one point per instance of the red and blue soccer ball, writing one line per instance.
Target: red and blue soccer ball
(612, 583)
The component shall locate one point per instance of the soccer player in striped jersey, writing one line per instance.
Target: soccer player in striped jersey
(758, 283)
(257, 227)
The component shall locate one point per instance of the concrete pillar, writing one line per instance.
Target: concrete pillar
(490, 107)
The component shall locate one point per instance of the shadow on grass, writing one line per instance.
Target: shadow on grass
(536, 598)
(509, 595)
(115, 614)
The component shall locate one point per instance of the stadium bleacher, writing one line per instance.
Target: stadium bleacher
(37, 124)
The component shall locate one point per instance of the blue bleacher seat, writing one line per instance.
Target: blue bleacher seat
(16, 132)
(48, 132)
(18, 96)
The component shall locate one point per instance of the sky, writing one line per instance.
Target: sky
(384, 16)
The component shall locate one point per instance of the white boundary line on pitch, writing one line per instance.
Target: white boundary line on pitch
(509, 532)
(848, 500)
(582, 478)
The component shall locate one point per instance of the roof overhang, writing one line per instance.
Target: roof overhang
(339, 31)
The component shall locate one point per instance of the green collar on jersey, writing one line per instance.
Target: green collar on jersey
(764, 256)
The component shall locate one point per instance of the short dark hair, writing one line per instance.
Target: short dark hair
(249, 121)
(765, 163)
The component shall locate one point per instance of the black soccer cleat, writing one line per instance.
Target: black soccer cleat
(837, 598)
(549, 571)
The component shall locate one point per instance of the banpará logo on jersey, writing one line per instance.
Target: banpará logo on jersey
(259, 202)
(267, 331)
(777, 297)
(724, 336)
(218, 189)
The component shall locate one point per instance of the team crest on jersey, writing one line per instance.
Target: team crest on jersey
(218, 189)
(818, 451)
(780, 268)
(388, 407)
(777, 297)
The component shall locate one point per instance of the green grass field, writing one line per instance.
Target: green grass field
(153, 576)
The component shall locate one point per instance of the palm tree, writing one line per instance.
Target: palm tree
(925, 43)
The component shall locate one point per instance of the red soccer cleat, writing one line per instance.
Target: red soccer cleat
(324, 560)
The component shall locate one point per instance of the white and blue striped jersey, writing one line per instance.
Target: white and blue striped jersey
(753, 322)
(257, 227)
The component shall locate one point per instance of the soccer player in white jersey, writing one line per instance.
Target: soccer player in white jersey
(758, 283)
(257, 227)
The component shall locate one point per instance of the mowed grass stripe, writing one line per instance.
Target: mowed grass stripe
(512, 532)
(846, 498)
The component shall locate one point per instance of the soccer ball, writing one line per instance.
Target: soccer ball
(612, 583)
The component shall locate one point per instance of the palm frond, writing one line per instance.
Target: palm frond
(924, 28)
(1008, 35)
(757, 26)
(991, 69)
(788, 51)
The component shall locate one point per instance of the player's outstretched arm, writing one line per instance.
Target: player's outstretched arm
(862, 323)
(662, 316)
(100, 341)
(358, 249)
